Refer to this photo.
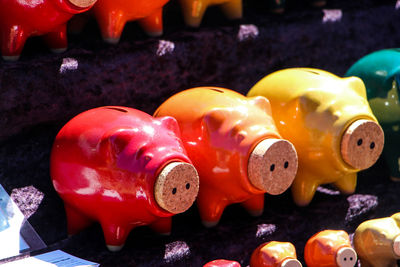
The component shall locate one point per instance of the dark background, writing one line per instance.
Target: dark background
(37, 99)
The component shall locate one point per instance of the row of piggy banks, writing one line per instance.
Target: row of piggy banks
(376, 242)
(297, 128)
(20, 20)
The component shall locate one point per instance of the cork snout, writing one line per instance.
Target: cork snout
(176, 187)
(396, 246)
(291, 263)
(346, 257)
(272, 166)
(362, 144)
(82, 3)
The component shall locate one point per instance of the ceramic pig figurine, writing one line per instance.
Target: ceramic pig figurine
(234, 145)
(222, 263)
(275, 254)
(193, 10)
(330, 248)
(112, 16)
(377, 242)
(22, 19)
(123, 168)
(380, 72)
(330, 123)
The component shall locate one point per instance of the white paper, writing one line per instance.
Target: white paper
(55, 258)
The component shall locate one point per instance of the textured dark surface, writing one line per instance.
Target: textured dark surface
(42, 91)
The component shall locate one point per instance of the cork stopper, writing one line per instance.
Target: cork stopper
(291, 263)
(396, 246)
(362, 144)
(82, 3)
(346, 257)
(272, 166)
(176, 187)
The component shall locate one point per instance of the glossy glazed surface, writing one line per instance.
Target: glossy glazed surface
(193, 10)
(219, 130)
(222, 263)
(112, 15)
(377, 241)
(322, 250)
(274, 254)
(104, 164)
(312, 109)
(380, 72)
(21, 19)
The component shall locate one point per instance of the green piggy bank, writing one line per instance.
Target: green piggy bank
(380, 71)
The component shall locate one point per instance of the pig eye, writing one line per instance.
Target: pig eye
(187, 186)
(359, 142)
(174, 191)
(286, 165)
(272, 167)
(372, 145)
(345, 259)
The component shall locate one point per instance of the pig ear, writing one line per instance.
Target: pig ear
(261, 102)
(357, 85)
(116, 141)
(215, 118)
(170, 123)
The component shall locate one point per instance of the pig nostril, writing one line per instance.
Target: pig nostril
(372, 145)
(345, 259)
(286, 165)
(272, 167)
(351, 258)
(187, 186)
(174, 191)
(359, 142)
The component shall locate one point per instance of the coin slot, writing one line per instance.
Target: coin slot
(217, 90)
(119, 109)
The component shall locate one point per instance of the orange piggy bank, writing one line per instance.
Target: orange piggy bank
(330, 248)
(235, 146)
(112, 15)
(275, 254)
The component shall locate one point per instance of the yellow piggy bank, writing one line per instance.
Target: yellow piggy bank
(193, 10)
(377, 242)
(330, 123)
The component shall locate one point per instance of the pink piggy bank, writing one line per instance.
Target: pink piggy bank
(123, 168)
(22, 19)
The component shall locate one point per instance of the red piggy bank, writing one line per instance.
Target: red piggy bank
(234, 145)
(112, 16)
(22, 19)
(222, 263)
(123, 168)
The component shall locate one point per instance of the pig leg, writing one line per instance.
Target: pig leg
(162, 226)
(254, 205)
(76, 221)
(347, 184)
(233, 9)
(111, 25)
(115, 234)
(13, 41)
(152, 24)
(303, 188)
(57, 40)
(193, 11)
(211, 206)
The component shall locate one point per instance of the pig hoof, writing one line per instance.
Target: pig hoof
(114, 248)
(111, 40)
(291, 263)
(59, 50)
(165, 234)
(255, 213)
(11, 58)
(395, 179)
(209, 224)
(154, 34)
